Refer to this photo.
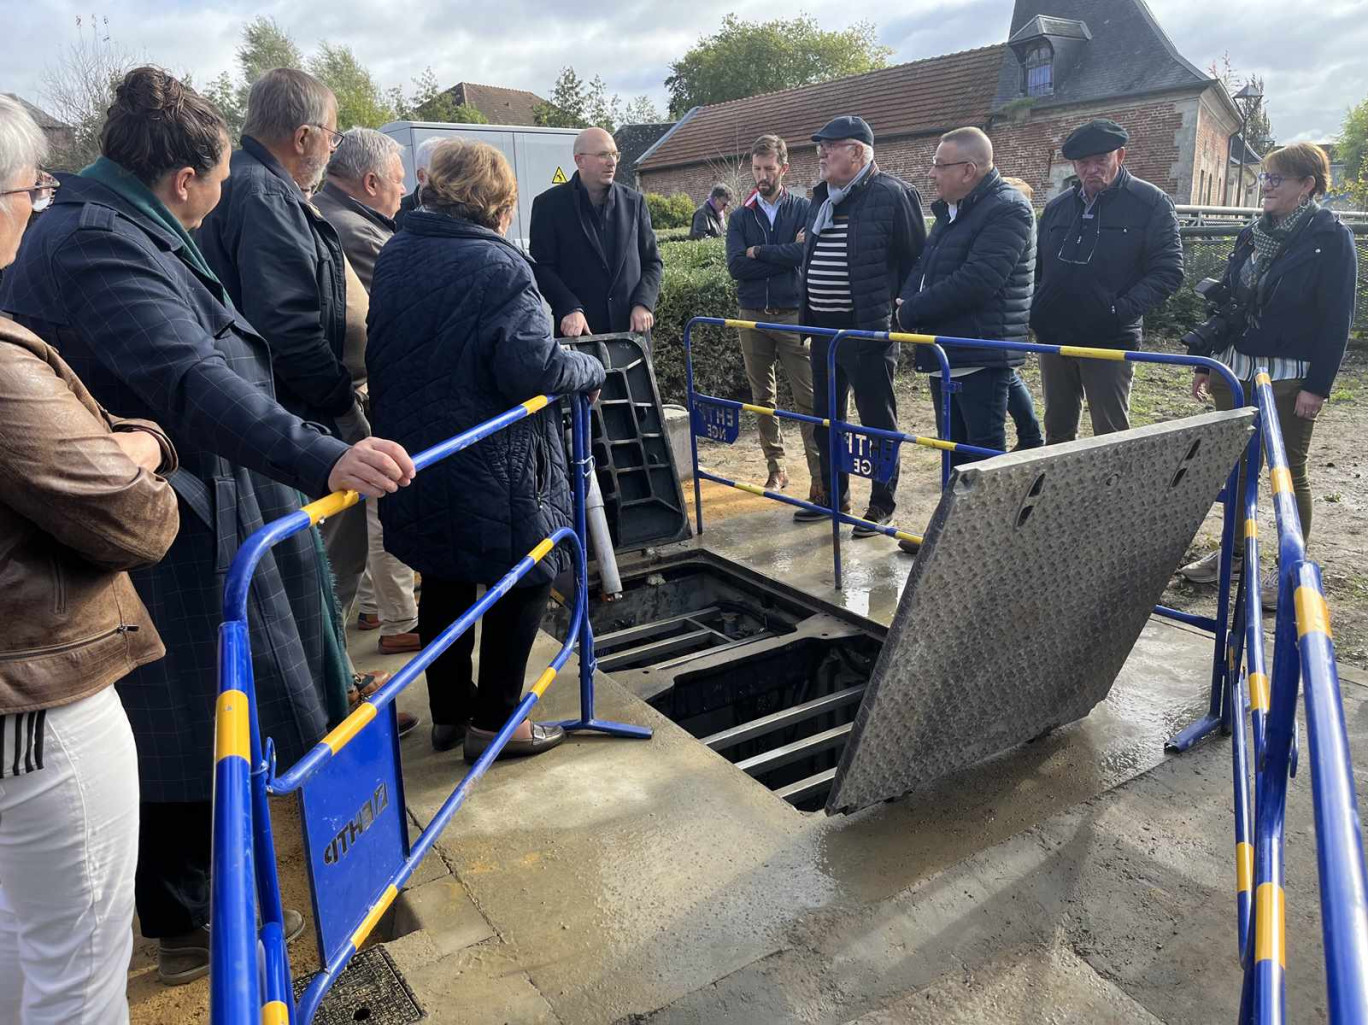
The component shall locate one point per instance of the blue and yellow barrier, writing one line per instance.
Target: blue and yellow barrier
(246, 989)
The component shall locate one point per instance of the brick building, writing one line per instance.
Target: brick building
(1064, 61)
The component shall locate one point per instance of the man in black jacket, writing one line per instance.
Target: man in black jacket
(865, 231)
(973, 280)
(710, 219)
(763, 255)
(595, 253)
(1109, 251)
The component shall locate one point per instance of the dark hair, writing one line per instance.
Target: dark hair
(157, 124)
(770, 146)
(1302, 160)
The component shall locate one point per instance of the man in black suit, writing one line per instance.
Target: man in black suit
(595, 253)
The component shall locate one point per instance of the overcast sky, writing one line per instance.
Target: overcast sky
(1311, 55)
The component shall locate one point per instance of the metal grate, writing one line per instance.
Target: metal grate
(370, 990)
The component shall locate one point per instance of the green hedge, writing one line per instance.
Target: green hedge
(670, 234)
(670, 211)
(696, 284)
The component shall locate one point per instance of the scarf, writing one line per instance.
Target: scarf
(1269, 238)
(826, 216)
(126, 186)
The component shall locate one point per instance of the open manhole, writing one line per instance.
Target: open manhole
(766, 676)
(370, 990)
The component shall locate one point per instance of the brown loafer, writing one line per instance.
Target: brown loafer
(365, 621)
(544, 738)
(777, 481)
(397, 644)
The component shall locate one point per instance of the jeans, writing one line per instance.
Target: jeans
(978, 411)
(175, 843)
(1021, 409)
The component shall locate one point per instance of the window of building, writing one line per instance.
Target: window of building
(1039, 70)
(1201, 185)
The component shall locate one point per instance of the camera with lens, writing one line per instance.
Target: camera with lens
(1225, 316)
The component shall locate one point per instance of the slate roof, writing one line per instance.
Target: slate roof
(1041, 25)
(1128, 55)
(920, 98)
(502, 106)
(634, 140)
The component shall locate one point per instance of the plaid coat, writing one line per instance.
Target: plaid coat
(103, 284)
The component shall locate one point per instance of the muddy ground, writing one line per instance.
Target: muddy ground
(1339, 460)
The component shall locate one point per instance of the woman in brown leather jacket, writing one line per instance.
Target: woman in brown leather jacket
(81, 502)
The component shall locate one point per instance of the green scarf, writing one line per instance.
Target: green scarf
(127, 187)
(1269, 238)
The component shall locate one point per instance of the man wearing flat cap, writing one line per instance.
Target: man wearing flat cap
(1108, 252)
(865, 231)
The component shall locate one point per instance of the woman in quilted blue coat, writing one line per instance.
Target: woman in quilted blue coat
(458, 334)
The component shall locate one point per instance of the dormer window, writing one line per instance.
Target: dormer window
(1038, 70)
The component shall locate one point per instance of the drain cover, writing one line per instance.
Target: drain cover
(369, 990)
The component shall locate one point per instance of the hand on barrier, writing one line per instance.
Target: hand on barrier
(642, 319)
(1201, 385)
(1308, 405)
(142, 448)
(374, 467)
(573, 325)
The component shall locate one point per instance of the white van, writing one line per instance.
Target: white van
(541, 157)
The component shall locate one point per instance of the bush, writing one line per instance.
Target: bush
(670, 211)
(670, 234)
(697, 291)
(705, 253)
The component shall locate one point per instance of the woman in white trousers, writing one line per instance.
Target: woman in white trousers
(81, 502)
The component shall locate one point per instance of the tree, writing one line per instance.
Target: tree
(1352, 146)
(79, 88)
(360, 102)
(641, 111)
(568, 106)
(744, 58)
(602, 111)
(1259, 130)
(265, 45)
(223, 94)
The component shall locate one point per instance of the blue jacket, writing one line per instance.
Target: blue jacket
(885, 236)
(282, 264)
(769, 281)
(456, 335)
(151, 339)
(973, 279)
(1096, 277)
(1304, 305)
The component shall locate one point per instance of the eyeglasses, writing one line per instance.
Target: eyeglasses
(607, 154)
(1078, 242)
(1271, 180)
(40, 193)
(953, 163)
(827, 147)
(334, 138)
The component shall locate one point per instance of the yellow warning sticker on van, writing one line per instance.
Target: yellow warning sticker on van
(559, 177)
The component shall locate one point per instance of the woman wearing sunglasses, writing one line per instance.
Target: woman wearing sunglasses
(1289, 287)
(83, 499)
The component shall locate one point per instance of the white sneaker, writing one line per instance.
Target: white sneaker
(1207, 569)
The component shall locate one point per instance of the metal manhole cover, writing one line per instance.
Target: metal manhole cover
(369, 990)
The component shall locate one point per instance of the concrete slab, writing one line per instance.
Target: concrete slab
(443, 911)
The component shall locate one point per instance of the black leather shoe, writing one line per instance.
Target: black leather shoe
(444, 738)
(544, 738)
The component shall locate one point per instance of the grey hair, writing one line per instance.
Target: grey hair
(868, 152)
(284, 99)
(422, 156)
(362, 151)
(720, 191)
(22, 143)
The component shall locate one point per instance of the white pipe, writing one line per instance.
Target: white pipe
(601, 540)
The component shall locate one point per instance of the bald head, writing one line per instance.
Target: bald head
(963, 159)
(596, 157)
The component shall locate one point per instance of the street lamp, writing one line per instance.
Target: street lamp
(1247, 99)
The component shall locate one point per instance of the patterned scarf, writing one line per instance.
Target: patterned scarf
(1270, 238)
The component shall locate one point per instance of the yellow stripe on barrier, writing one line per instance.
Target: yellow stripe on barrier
(1313, 615)
(349, 727)
(1244, 867)
(1270, 909)
(275, 1013)
(543, 681)
(381, 906)
(945, 446)
(749, 488)
(739, 323)
(331, 505)
(1258, 691)
(1281, 479)
(758, 410)
(535, 404)
(1091, 353)
(1251, 528)
(903, 535)
(911, 338)
(1262, 378)
(543, 549)
(232, 729)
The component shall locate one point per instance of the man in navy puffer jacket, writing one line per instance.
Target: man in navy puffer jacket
(973, 280)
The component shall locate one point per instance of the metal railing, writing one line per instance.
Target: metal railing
(249, 979)
(1304, 650)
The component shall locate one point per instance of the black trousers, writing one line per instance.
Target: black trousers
(172, 882)
(868, 368)
(508, 630)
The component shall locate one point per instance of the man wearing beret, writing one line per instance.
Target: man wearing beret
(865, 231)
(1108, 252)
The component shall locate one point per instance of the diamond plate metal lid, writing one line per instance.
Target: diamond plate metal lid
(1037, 574)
